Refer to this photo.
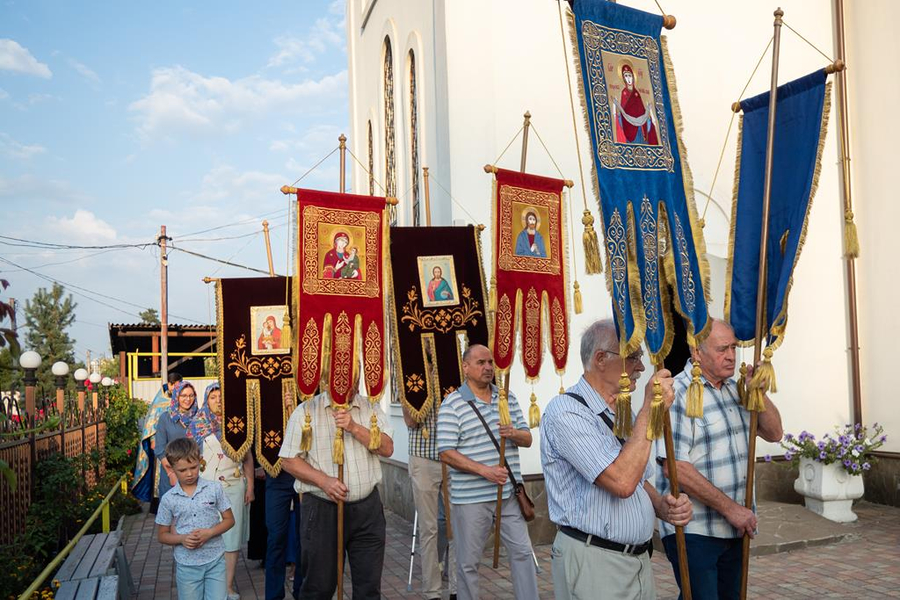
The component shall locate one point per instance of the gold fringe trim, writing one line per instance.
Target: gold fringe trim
(729, 264)
(503, 407)
(534, 413)
(306, 434)
(622, 426)
(688, 182)
(576, 298)
(742, 385)
(851, 237)
(374, 434)
(694, 408)
(592, 263)
(657, 413)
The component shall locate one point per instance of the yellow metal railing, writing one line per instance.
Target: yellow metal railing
(132, 360)
(103, 510)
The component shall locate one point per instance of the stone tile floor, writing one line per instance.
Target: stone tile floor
(864, 563)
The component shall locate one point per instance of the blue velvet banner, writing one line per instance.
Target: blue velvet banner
(801, 119)
(654, 243)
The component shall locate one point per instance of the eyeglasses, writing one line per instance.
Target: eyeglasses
(632, 358)
(187, 396)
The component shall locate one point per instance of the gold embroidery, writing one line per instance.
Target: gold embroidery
(650, 241)
(616, 254)
(236, 424)
(270, 367)
(313, 283)
(531, 354)
(272, 439)
(688, 291)
(612, 155)
(504, 326)
(310, 354)
(507, 258)
(415, 383)
(441, 319)
(372, 355)
(558, 319)
(343, 354)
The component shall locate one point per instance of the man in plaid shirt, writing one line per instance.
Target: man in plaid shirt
(711, 456)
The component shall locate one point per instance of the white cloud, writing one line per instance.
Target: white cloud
(315, 140)
(83, 70)
(13, 149)
(325, 34)
(3, 94)
(14, 57)
(83, 227)
(183, 101)
(29, 188)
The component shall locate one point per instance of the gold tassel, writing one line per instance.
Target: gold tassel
(337, 448)
(374, 434)
(742, 385)
(694, 408)
(562, 389)
(756, 400)
(579, 305)
(492, 296)
(622, 427)
(534, 413)
(851, 237)
(503, 408)
(701, 222)
(592, 263)
(286, 328)
(657, 413)
(764, 375)
(424, 432)
(306, 434)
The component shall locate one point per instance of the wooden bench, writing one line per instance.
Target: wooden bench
(89, 572)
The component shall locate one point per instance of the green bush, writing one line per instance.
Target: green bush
(122, 433)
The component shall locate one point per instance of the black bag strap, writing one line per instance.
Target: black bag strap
(602, 415)
(512, 477)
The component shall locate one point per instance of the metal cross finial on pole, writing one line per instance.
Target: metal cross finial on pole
(761, 286)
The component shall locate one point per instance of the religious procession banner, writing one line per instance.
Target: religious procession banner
(641, 176)
(437, 307)
(801, 121)
(255, 371)
(339, 289)
(529, 277)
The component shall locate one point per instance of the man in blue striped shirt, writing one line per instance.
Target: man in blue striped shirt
(475, 475)
(598, 491)
(711, 456)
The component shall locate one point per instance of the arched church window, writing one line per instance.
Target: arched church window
(414, 138)
(371, 161)
(390, 161)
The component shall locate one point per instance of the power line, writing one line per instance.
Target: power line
(218, 260)
(54, 246)
(236, 223)
(64, 262)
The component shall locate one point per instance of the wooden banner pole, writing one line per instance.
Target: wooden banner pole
(761, 287)
(340, 505)
(265, 225)
(427, 197)
(504, 394)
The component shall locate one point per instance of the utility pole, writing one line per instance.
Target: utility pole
(163, 304)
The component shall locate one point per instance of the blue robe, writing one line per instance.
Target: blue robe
(523, 248)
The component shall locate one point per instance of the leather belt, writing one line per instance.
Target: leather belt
(593, 540)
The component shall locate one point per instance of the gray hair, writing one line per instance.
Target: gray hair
(713, 321)
(600, 336)
(468, 351)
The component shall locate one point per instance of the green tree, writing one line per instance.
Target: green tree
(47, 317)
(149, 316)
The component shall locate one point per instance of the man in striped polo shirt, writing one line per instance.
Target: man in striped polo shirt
(598, 491)
(711, 456)
(425, 474)
(475, 474)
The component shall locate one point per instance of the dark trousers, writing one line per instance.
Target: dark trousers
(714, 565)
(364, 540)
(279, 495)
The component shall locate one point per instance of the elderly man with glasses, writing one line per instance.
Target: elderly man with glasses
(597, 485)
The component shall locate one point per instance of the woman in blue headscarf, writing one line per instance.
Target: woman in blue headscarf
(235, 477)
(147, 469)
(172, 425)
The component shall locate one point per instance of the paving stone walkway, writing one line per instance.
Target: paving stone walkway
(864, 563)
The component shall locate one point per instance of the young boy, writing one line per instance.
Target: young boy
(192, 516)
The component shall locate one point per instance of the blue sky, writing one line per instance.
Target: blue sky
(116, 118)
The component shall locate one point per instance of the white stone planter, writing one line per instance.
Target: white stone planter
(828, 490)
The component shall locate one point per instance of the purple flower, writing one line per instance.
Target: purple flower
(768, 458)
(866, 466)
(788, 437)
(822, 456)
(846, 462)
(788, 455)
(821, 445)
(841, 452)
(856, 466)
(857, 426)
(805, 435)
(844, 440)
(875, 426)
(882, 439)
(859, 448)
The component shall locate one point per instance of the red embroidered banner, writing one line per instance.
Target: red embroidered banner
(340, 286)
(529, 269)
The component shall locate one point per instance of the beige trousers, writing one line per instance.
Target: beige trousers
(585, 572)
(425, 476)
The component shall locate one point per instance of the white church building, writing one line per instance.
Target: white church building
(444, 85)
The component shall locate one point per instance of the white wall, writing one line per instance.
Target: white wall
(872, 49)
(505, 57)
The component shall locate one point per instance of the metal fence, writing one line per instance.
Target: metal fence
(25, 440)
